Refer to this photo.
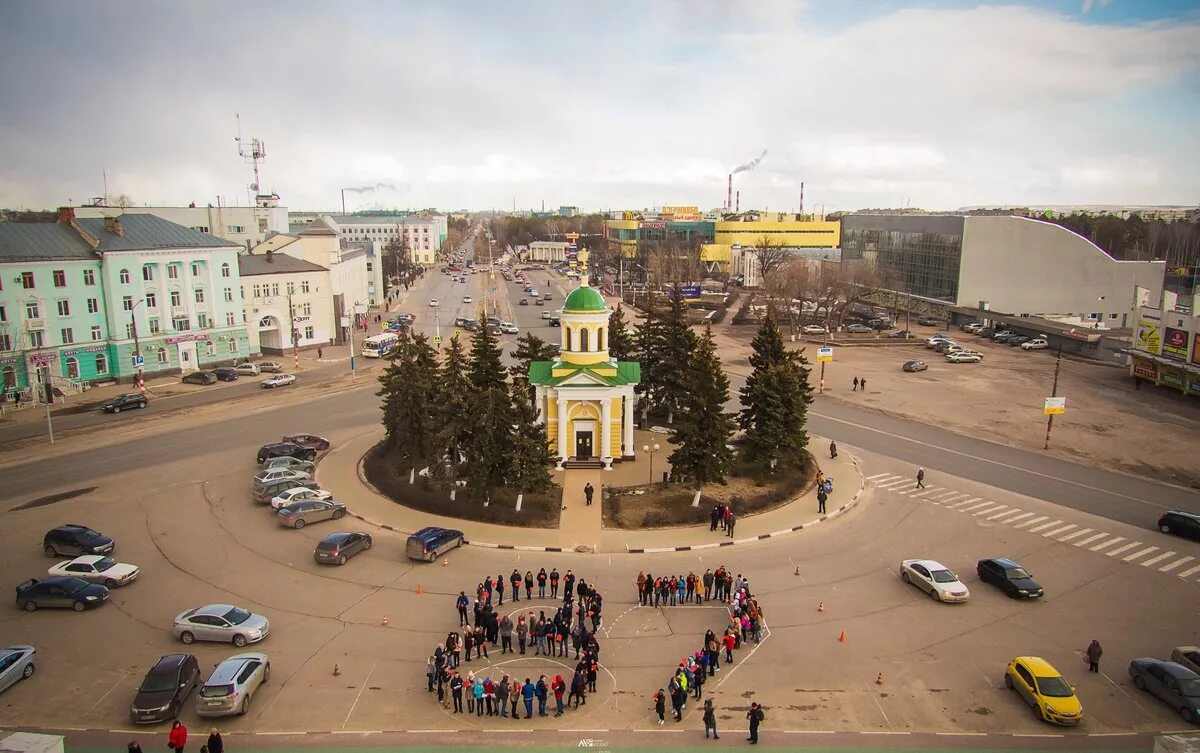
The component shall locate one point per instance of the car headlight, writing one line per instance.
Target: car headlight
(1050, 709)
(91, 598)
(1022, 591)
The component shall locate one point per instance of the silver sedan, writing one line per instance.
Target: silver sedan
(220, 622)
(16, 663)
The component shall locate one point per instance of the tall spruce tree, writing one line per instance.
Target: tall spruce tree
(530, 456)
(648, 345)
(678, 344)
(775, 401)
(702, 428)
(620, 339)
(408, 389)
(529, 348)
(487, 371)
(488, 446)
(454, 422)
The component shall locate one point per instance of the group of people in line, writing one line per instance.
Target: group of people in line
(673, 590)
(177, 738)
(722, 515)
(571, 625)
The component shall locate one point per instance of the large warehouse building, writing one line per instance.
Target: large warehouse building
(1013, 265)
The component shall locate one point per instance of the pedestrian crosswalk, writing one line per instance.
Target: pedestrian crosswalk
(1117, 547)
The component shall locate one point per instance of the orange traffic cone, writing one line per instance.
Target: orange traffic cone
(842, 637)
(821, 607)
(419, 589)
(336, 672)
(879, 680)
(385, 621)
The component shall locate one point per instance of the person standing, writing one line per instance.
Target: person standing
(542, 577)
(714, 517)
(862, 384)
(559, 687)
(320, 353)
(515, 579)
(660, 705)
(528, 585)
(554, 577)
(1094, 652)
(461, 602)
(500, 590)
(641, 585)
(543, 694)
(708, 578)
(710, 719)
(430, 672)
(855, 388)
(821, 498)
(568, 586)
(502, 691)
(506, 631)
(832, 449)
(587, 493)
(522, 632)
(177, 737)
(215, 743)
(729, 524)
(726, 514)
(756, 717)
(920, 478)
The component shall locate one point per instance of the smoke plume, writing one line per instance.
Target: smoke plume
(745, 166)
(378, 187)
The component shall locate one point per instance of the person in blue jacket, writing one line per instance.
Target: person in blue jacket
(527, 695)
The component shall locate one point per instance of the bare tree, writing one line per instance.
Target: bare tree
(770, 256)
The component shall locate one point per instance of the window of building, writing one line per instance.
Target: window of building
(27, 280)
(151, 300)
(97, 334)
(176, 298)
(129, 331)
(152, 323)
(60, 278)
(89, 277)
(291, 288)
(201, 228)
(262, 226)
(308, 332)
(72, 368)
(195, 269)
(233, 345)
(124, 276)
(235, 229)
(93, 305)
(173, 271)
(163, 355)
(225, 270)
(5, 341)
(32, 310)
(274, 288)
(257, 291)
(148, 272)
(306, 309)
(181, 323)
(1114, 316)
(210, 348)
(64, 308)
(229, 320)
(101, 363)
(228, 295)
(600, 339)
(3, 315)
(127, 303)
(199, 295)
(35, 339)
(67, 335)
(370, 267)
(304, 286)
(583, 340)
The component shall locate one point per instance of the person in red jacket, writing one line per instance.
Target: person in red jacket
(728, 640)
(559, 687)
(177, 737)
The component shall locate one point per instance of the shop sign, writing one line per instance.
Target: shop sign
(1145, 369)
(8, 360)
(187, 338)
(301, 319)
(1175, 343)
(1148, 337)
(1055, 406)
(1196, 348)
(1194, 384)
(1171, 377)
(91, 349)
(653, 224)
(41, 359)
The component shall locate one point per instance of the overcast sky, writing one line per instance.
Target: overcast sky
(603, 104)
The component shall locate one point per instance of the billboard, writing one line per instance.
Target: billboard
(1145, 369)
(1148, 337)
(1196, 348)
(1175, 343)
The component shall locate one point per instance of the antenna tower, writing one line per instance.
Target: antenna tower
(257, 150)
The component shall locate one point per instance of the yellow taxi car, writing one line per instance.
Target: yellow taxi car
(1043, 688)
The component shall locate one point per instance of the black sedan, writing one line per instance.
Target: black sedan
(1174, 684)
(336, 548)
(1186, 524)
(225, 373)
(75, 593)
(1009, 577)
(125, 402)
(200, 377)
(166, 686)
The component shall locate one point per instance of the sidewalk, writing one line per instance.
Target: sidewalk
(580, 524)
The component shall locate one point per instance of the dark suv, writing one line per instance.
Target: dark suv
(125, 402)
(226, 374)
(279, 449)
(73, 540)
(167, 685)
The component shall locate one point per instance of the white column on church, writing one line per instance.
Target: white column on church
(628, 416)
(540, 395)
(606, 432)
(562, 429)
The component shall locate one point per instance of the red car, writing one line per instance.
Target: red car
(311, 441)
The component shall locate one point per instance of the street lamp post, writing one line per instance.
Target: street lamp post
(137, 348)
(353, 324)
(651, 450)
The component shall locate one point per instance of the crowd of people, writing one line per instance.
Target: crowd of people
(673, 590)
(572, 625)
(722, 515)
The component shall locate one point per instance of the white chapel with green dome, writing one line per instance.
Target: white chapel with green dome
(585, 399)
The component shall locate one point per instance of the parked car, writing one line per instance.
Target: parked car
(16, 663)
(225, 373)
(264, 493)
(278, 380)
(935, 579)
(1188, 656)
(164, 689)
(933, 342)
(232, 684)
(1185, 524)
(1009, 577)
(1037, 343)
(433, 302)
(963, 357)
(859, 329)
(880, 324)
(944, 346)
(95, 568)
(278, 449)
(1003, 335)
(200, 377)
(430, 543)
(471, 325)
(75, 593)
(928, 321)
(1017, 340)
(73, 540)
(915, 365)
(247, 369)
(296, 494)
(1041, 686)
(1174, 684)
(523, 302)
(509, 328)
(901, 334)
(127, 401)
(300, 514)
(814, 329)
(220, 622)
(336, 548)
(278, 474)
(311, 441)
(270, 367)
(466, 299)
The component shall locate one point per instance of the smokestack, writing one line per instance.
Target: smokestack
(802, 199)
(343, 201)
(729, 196)
(737, 207)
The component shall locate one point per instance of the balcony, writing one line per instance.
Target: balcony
(33, 325)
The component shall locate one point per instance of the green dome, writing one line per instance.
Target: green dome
(585, 299)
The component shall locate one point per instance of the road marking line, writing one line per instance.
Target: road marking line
(893, 482)
(878, 476)
(1190, 572)
(1090, 539)
(1111, 734)
(1003, 510)
(1125, 548)
(1010, 520)
(945, 496)
(1107, 544)
(1044, 526)
(1056, 531)
(963, 734)
(989, 510)
(811, 731)
(964, 502)
(1155, 560)
(1175, 564)
(882, 731)
(1030, 522)
(360, 692)
(1077, 534)
(1031, 734)
(1142, 553)
(926, 490)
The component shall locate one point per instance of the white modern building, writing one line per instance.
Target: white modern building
(547, 251)
(288, 302)
(424, 233)
(245, 226)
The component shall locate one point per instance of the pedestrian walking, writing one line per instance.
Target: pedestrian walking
(710, 719)
(832, 449)
(920, 478)
(855, 389)
(1094, 652)
(587, 493)
(215, 743)
(177, 737)
(756, 717)
(320, 353)
(729, 524)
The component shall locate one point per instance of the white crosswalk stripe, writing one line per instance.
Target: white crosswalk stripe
(1075, 535)
(1155, 560)
(927, 490)
(879, 475)
(1044, 526)
(963, 503)
(894, 482)
(989, 510)
(1142, 553)
(1175, 564)
(977, 505)
(1125, 548)
(1090, 539)
(1107, 544)
(1055, 531)
(1190, 572)
(1030, 522)
(1012, 511)
(947, 496)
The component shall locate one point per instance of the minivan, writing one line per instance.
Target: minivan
(428, 544)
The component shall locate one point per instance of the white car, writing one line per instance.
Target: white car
(279, 380)
(814, 329)
(247, 369)
(466, 299)
(97, 569)
(935, 579)
(433, 303)
(298, 494)
(963, 356)
(1036, 343)
(545, 314)
(272, 367)
(934, 341)
(280, 474)
(509, 328)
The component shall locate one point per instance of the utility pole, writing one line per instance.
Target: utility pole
(353, 324)
(1053, 393)
(48, 397)
(295, 334)
(137, 349)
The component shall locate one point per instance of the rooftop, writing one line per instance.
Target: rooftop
(143, 232)
(274, 264)
(42, 241)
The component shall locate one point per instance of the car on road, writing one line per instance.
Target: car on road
(546, 296)
(290, 449)
(461, 321)
(523, 302)
(311, 441)
(228, 690)
(935, 579)
(814, 329)
(270, 367)
(1041, 686)
(73, 540)
(95, 568)
(75, 593)
(509, 328)
(470, 325)
(945, 346)
(466, 299)
(296, 494)
(914, 365)
(127, 401)
(1173, 684)
(264, 493)
(248, 369)
(278, 380)
(300, 514)
(16, 663)
(279, 474)
(1188, 656)
(200, 377)
(430, 543)
(555, 321)
(220, 622)
(963, 356)
(225, 373)
(859, 329)
(546, 314)
(540, 302)
(336, 548)
(433, 302)
(1009, 577)
(164, 689)
(928, 321)
(1185, 524)
(1037, 343)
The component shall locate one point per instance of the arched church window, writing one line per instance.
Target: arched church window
(583, 340)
